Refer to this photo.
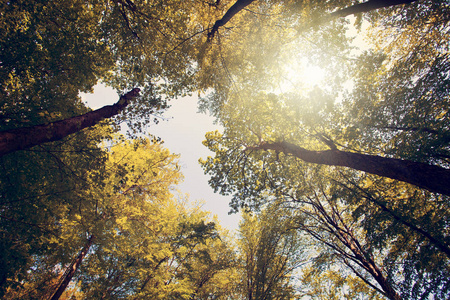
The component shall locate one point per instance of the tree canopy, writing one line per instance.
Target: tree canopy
(335, 151)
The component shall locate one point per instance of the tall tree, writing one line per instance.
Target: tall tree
(71, 269)
(147, 242)
(396, 110)
(38, 191)
(270, 252)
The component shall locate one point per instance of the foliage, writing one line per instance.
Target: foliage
(386, 238)
(147, 242)
(389, 101)
(51, 51)
(271, 251)
(39, 190)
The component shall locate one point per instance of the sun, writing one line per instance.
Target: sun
(311, 75)
(302, 74)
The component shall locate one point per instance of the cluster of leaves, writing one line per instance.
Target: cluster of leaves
(51, 51)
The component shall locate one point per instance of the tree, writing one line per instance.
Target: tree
(71, 269)
(270, 251)
(147, 242)
(358, 8)
(38, 190)
(396, 110)
(366, 7)
(52, 51)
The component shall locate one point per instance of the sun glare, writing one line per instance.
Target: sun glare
(304, 75)
(311, 75)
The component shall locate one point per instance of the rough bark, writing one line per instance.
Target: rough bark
(231, 12)
(429, 177)
(25, 138)
(70, 271)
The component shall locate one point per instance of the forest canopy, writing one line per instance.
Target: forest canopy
(335, 149)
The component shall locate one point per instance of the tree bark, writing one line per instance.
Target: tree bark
(231, 12)
(24, 138)
(70, 271)
(429, 177)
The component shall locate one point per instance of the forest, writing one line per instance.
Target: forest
(334, 149)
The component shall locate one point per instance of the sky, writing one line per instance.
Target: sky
(182, 131)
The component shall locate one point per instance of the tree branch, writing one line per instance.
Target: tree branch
(24, 138)
(231, 12)
(429, 177)
(366, 7)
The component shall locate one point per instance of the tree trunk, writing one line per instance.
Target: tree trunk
(373, 270)
(231, 12)
(346, 236)
(24, 138)
(70, 271)
(429, 177)
(366, 7)
(354, 9)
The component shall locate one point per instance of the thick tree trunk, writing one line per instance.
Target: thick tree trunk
(70, 271)
(24, 138)
(366, 7)
(429, 177)
(231, 12)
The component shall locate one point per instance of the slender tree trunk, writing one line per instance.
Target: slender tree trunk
(354, 9)
(429, 177)
(70, 271)
(435, 241)
(373, 269)
(366, 7)
(152, 274)
(345, 235)
(231, 12)
(24, 138)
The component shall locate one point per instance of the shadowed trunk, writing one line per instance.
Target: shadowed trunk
(366, 7)
(333, 221)
(354, 9)
(429, 177)
(231, 12)
(70, 271)
(25, 138)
